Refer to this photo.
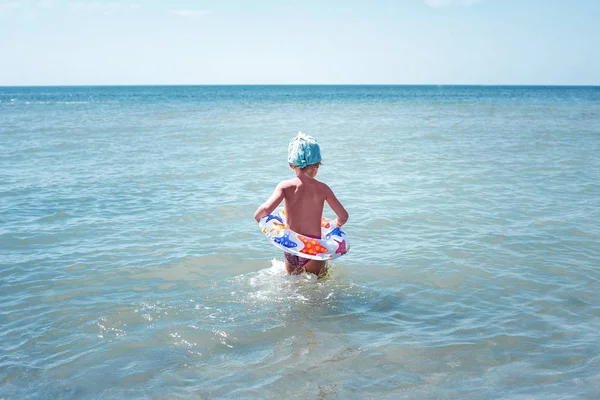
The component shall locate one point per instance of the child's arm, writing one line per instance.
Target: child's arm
(271, 204)
(337, 207)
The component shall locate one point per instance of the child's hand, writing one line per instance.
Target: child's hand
(259, 214)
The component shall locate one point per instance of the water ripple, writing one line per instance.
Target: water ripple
(130, 265)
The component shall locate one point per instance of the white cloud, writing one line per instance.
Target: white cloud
(445, 3)
(45, 3)
(101, 6)
(94, 5)
(189, 13)
(8, 5)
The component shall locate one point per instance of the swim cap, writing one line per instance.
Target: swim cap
(303, 150)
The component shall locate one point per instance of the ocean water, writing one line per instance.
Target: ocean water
(131, 266)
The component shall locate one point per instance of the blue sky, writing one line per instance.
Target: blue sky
(78, 42)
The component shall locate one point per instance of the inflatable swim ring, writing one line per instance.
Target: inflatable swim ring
(333, 242)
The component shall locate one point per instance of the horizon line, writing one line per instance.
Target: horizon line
(303, 84)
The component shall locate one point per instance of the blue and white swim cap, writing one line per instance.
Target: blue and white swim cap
(303, 150)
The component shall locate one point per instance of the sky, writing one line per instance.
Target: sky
(179, 42)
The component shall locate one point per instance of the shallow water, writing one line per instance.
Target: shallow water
(130, 265)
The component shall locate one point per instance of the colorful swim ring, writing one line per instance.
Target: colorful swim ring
(333, 242)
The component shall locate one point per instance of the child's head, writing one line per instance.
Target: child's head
(303, 152)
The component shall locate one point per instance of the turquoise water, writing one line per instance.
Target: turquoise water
(131, 266)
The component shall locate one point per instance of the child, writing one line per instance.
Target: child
(304, 200)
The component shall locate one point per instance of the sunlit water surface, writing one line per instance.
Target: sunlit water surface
(131, 266)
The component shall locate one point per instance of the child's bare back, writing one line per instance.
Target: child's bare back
(304, 198)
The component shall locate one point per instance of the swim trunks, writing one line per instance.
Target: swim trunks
(296, 261)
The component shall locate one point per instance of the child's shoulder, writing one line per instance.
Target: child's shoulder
(294, 182)
(288, 183)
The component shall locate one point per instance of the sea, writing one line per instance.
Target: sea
(131, 266)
